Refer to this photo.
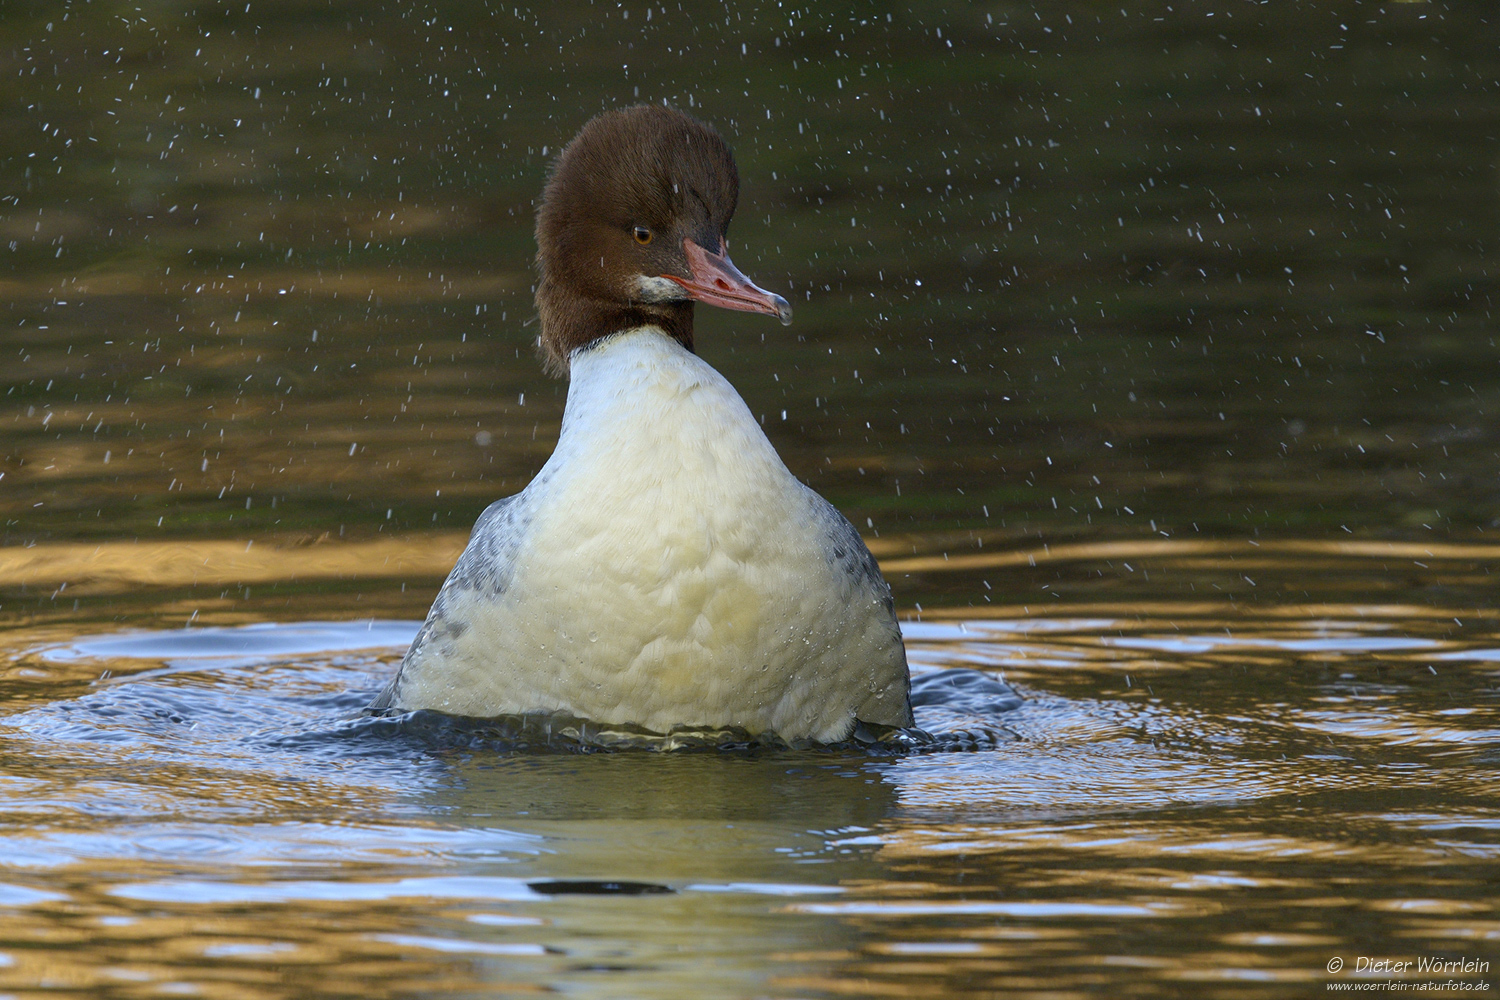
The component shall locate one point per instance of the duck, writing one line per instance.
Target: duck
(664, 569)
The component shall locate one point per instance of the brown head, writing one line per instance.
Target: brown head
(632, 232)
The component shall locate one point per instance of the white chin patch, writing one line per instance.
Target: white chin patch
(652, 289)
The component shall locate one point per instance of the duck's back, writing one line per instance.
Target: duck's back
(663, 569)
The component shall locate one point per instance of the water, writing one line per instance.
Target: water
(1151, 348)
(1193, 799)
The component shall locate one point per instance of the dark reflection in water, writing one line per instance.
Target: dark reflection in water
(1073, 271)
(1152, 348)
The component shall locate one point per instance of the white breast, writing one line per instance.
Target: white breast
(664, 568)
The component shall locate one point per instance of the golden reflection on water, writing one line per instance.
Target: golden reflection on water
(116, 566)
(291, 556)
(254, 953)
(1187, 552)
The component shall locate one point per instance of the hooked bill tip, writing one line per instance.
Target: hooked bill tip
(783, 310)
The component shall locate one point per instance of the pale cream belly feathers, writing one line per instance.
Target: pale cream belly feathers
(663, 569)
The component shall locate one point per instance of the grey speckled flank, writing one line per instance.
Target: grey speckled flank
(847, 550)
(485, 567)
(489, 559)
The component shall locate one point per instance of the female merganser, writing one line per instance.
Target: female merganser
(664, 569)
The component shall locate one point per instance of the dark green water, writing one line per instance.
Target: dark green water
(1151, 345)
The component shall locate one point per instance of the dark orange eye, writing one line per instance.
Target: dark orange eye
(642, 235)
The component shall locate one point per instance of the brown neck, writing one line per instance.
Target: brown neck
(570, 321)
